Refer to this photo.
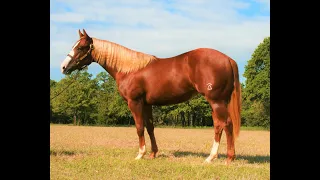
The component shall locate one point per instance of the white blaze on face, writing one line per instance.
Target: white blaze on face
(214, 151)
(66, 61)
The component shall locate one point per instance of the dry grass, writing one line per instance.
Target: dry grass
(109, 152)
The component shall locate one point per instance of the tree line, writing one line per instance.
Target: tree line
(88, 100)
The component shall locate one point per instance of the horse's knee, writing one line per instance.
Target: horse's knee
(229, 126)
(217, 127)
(140, 131)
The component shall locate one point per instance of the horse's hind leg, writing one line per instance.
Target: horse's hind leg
(230, 141)
(150, 128)
(221, 122)
(218, 113)
(217, 137)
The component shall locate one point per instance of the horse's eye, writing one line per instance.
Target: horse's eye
(79, 48)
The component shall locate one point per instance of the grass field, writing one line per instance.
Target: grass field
(81, 152)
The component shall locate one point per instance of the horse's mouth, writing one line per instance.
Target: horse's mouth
(70, 70)
(66, 72)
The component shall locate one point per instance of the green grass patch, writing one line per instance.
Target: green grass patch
(84, 152)
(120, 164)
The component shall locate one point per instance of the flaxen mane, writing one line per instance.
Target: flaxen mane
(119, 57)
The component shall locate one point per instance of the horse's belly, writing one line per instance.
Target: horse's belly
(169, 97)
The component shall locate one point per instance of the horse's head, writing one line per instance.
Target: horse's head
(80, 55)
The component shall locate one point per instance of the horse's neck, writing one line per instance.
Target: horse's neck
(112, 71)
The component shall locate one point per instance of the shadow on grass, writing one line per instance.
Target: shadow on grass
(59, 153)
(250, 159)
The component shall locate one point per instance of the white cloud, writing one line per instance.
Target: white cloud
(68, 17)
(173, 28)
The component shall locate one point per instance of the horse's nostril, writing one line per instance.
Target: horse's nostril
(63, 67)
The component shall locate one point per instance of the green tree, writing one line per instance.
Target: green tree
(52, 115)
(195, 112)
(256, 92)
(201, 111)
(52, 83)
(78, 99)
(112, 109)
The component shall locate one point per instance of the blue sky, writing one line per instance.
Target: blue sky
(161, 28)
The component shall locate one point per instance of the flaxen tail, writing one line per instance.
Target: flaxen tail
(234, 106)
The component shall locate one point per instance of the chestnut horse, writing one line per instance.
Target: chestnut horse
(144, 80)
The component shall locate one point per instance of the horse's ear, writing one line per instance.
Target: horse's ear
(85, 33)
(80, 34)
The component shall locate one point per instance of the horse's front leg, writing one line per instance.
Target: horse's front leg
(136, 108)
(150, 128)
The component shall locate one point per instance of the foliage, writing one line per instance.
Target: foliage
(78, 99)
(256, 90)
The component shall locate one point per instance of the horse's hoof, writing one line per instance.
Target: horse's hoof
(152, 155)
(139, 156)
(208, 161)
(228, 161)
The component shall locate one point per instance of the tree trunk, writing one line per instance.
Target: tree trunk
(74, 120)
(203, 121)
(183, 120)
(194, 119)
(85, 117)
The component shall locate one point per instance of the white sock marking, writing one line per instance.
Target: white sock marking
(214, 151)
(142, 152)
